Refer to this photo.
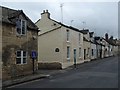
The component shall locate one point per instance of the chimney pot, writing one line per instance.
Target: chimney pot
(47, 11)
(43, 11)
(45, 14)
(106, 36)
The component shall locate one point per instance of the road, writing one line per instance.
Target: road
(95, 74)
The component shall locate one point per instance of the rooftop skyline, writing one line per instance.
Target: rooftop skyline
(99, 17)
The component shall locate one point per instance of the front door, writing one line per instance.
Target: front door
(75, 56)
(84, 54)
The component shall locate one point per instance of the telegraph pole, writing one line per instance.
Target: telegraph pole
(84, 24)
(61, 6)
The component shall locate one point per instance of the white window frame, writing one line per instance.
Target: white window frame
(68, 35)
(68, 52)
(21, 57)
(22, 26)
(79, 52)
(21, 23)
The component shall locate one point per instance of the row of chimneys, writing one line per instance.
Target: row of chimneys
(47, 14)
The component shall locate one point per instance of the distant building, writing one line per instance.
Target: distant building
(19, 39)
(93, 46)
(58, 42)
(86, 45)
(98, 47)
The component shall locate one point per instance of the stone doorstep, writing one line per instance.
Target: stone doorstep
(22, 80)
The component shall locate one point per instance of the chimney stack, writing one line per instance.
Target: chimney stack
(106, 36)
(45, 14)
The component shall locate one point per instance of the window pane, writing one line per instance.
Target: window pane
(68, 52)
(79, 52)
(18, 31)
(18, 60)
(18, 23)
(24, 60)
(18, 26)
(92, 52)
(18, 53)
(68, 35)
(23, 30)
(57, 50)
(23, 27)
(24, 54)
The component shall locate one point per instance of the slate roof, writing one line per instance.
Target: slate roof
(10, 15)
(112, 42)
(91, 34)
(84, 31)
(70, 27)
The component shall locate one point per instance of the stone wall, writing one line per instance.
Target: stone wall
(10, 44)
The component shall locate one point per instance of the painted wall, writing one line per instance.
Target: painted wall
(115, 50)
(47, 44)
(45, 24)
(103, 51)
(51, 39)
(93, 46)
(87, 46)
(74, 43)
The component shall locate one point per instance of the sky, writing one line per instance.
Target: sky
(100, 16)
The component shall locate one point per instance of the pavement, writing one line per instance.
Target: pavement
(39, 75)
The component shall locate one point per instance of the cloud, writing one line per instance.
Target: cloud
(100, 17)
(61, 1)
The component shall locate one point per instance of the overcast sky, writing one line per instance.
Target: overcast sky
(99, 16)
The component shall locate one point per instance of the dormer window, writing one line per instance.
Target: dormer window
(21, 27)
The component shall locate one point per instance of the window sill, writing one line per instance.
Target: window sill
(23, 35)
(22, 64)
(68, 59)
(68, 41)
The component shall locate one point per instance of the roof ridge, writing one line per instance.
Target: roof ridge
(8, 8)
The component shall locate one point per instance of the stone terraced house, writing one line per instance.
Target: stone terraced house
(86, 45)
(19, 39)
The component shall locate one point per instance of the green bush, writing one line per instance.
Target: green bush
(50, 66)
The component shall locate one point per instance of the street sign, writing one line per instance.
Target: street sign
(34, 54)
